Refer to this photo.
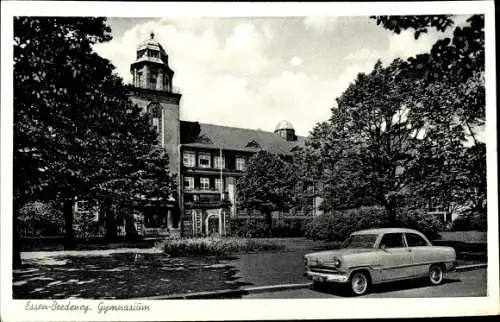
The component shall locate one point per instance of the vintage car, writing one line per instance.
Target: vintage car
(380, 255)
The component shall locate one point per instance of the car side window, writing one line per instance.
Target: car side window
(392, 240)
(415, 240)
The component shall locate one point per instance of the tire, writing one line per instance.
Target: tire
(318, 286)
(359, 283)
(436, 274)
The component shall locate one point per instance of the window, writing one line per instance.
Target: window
(153, 74)
(219, 162)
(204, 160)
(139, 78)
(360, 241)
(204, 183)
(82, 206)
(240, 164)
(156, 124)
(415, 240)
(393, 240)
(188, 183)
(189, 159)
(218, 184)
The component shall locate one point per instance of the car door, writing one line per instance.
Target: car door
(421, 253)
(395, 259)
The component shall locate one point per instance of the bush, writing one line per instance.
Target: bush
(248, 228)
(470, 221)
(218, 246)
(337, 225)
(419, 220)
(257, 228)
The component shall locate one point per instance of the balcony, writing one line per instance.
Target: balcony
(206, 199)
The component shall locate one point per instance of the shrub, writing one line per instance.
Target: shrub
(218, 246)
(470, 221)
(337, 225)
(419, 220)
(257, 228)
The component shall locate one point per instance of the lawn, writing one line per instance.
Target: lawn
(118, 275)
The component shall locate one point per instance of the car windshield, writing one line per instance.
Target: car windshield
(360, 241)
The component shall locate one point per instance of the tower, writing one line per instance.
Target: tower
(153, 91)
(285, 130)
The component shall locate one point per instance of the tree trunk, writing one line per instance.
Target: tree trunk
(69, 236)
(109, 221)
(111, 227)
(269, 222)
(16, 243)
(391, 214)
(130, 230)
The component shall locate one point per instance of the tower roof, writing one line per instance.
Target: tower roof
(284, 125)
(150, 43)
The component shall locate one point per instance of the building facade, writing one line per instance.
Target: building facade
(206, 159)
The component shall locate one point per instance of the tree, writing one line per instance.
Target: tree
(74, 128)
(450, 80)
(268, 185)
(400, 132)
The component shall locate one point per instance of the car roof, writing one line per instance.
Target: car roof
(385, 230)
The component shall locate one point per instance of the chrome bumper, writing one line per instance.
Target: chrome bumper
(324, 277)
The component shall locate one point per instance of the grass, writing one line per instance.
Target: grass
(221, 246)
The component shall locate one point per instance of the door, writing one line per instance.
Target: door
(420, 252)
(396, 258)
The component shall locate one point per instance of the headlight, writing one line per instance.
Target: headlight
(336, 262)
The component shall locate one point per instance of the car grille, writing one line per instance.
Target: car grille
(322, 269)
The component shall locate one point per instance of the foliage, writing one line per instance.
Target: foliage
(40, 218)
(257, 228)
(267, 185)
(337, 225)
(421, 24)
(471, 221)
(75, 133)
(218, 246)
(419, 220)
(406, 133)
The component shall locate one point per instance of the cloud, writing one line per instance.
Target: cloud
(231, 78)
(320, 23)
(296, 61)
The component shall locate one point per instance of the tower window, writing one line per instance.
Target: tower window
(139, 78)
(152, 78)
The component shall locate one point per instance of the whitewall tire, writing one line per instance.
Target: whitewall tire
(436, 274)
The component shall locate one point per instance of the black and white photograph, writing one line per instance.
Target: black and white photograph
(199, 161)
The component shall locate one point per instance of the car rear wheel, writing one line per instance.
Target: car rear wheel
(359, 283)
(436, 274)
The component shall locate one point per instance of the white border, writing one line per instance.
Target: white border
(250, 309)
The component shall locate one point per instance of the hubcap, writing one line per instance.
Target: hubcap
(436, 275)
(359, 284)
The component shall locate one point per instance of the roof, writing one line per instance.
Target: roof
(284, 125)
(202, 135)
(386, 230)
(150, 43)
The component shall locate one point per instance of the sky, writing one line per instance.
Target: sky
(254, 72)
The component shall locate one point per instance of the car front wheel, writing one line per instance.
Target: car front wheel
(359, 283)
(436, 274)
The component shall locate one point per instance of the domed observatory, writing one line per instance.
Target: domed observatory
(150, 70)
(285, 130)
